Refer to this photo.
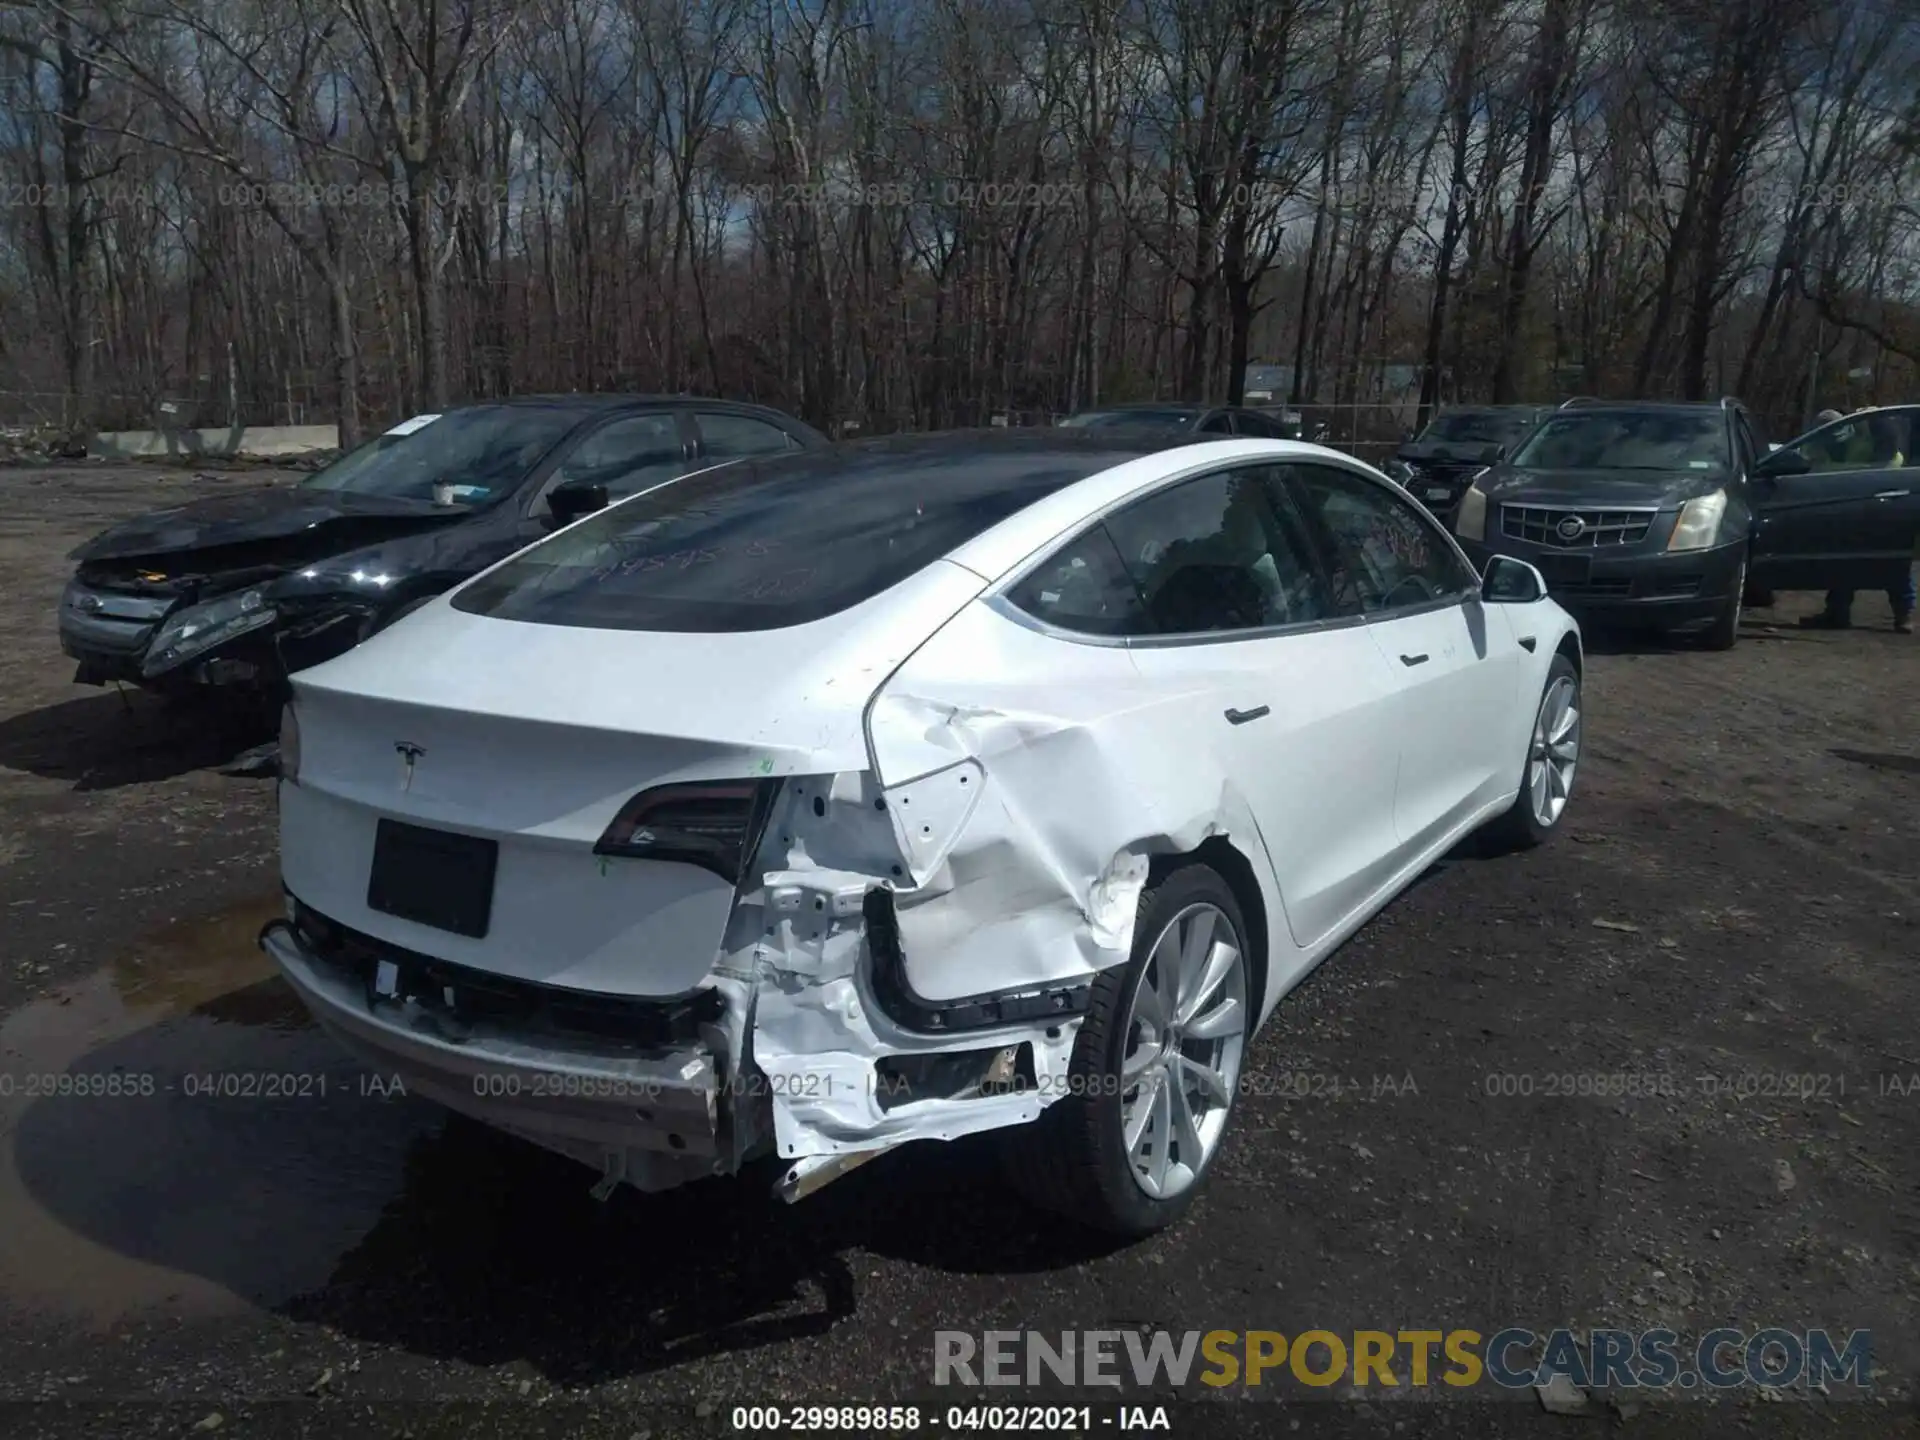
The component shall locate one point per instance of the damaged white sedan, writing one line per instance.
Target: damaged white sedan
(903, 790)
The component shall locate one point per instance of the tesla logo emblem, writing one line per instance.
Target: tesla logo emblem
(1571, 528)
(409, 753)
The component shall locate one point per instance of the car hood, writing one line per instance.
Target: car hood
(1598, 489)
(267, 514)
(443, 555)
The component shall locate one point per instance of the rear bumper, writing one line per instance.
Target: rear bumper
(1650, 588)
(633, 1111)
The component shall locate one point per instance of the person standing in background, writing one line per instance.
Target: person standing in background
(1875, 444)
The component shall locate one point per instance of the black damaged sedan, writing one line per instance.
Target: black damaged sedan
(240, 590)
(1436, 465)
(1669, 515)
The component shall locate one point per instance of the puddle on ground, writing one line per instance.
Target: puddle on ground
(177, 1135)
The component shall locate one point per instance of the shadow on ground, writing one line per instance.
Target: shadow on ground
(336, 1201)
(114, 738)
(1876, 760)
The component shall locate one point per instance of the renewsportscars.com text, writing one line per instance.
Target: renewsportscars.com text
(1512, 1358)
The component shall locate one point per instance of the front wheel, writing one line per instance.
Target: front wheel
(1155, 1068)
(1553, 755)
(1725, 629)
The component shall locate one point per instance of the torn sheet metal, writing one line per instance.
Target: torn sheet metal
(1076, 784)
(816, 1030)
(1014, 843)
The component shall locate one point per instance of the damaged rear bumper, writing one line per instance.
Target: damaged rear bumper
(651, 1116)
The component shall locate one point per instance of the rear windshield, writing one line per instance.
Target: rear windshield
(759, 544)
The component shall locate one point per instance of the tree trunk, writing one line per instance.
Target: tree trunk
(429, 289)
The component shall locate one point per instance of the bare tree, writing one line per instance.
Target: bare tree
(424, 56)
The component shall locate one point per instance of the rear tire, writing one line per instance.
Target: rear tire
(1724, 632)
(1135, 1079)
(1550, 767)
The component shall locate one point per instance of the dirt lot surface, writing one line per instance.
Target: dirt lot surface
(1731, 911)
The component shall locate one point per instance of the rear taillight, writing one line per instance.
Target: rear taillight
(714, 824)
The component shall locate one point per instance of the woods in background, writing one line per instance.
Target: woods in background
(932, 213)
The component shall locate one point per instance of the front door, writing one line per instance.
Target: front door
(1849, 520)
(628, 454)
(1456, 666)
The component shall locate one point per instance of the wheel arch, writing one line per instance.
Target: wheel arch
(1569, 646)
(1230, 863)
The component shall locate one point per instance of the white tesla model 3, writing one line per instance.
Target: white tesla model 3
(818, 803)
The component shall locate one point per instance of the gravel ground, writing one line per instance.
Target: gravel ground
(1733, 905)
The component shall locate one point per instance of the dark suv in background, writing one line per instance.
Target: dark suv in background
(1666, 515)
(1436, 466)
(238, 590)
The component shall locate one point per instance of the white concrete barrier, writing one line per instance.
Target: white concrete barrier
(246, 440)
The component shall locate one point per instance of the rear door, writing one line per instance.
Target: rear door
(1454, 660)
(1849, 521)
(1292, 697)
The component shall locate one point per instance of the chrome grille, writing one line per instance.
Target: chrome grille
(1595, 529)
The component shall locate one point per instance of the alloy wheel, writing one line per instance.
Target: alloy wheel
(1185, 1035)
(1555, 752)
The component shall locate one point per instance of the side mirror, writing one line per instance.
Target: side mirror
(567, 503)
(1511, 582)
(1782, 462)
(1492, 454)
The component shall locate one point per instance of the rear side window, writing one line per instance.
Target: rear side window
(725, 436)
(1212, 555)
(1084, 588)
(773, 541)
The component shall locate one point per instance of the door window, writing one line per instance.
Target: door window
(1384, 553)
(723, 436)
(627, 456)
(1876, 440)
(1212, 554)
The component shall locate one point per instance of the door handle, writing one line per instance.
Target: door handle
(1413, 659)
(1241, 717)
(1889, 494)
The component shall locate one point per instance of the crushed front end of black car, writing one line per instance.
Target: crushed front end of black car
(271, 586)
(1439, 464)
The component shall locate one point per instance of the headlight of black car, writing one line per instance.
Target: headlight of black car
(197, 629)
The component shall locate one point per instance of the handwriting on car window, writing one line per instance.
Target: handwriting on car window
(787, 585)
(1380, 534)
